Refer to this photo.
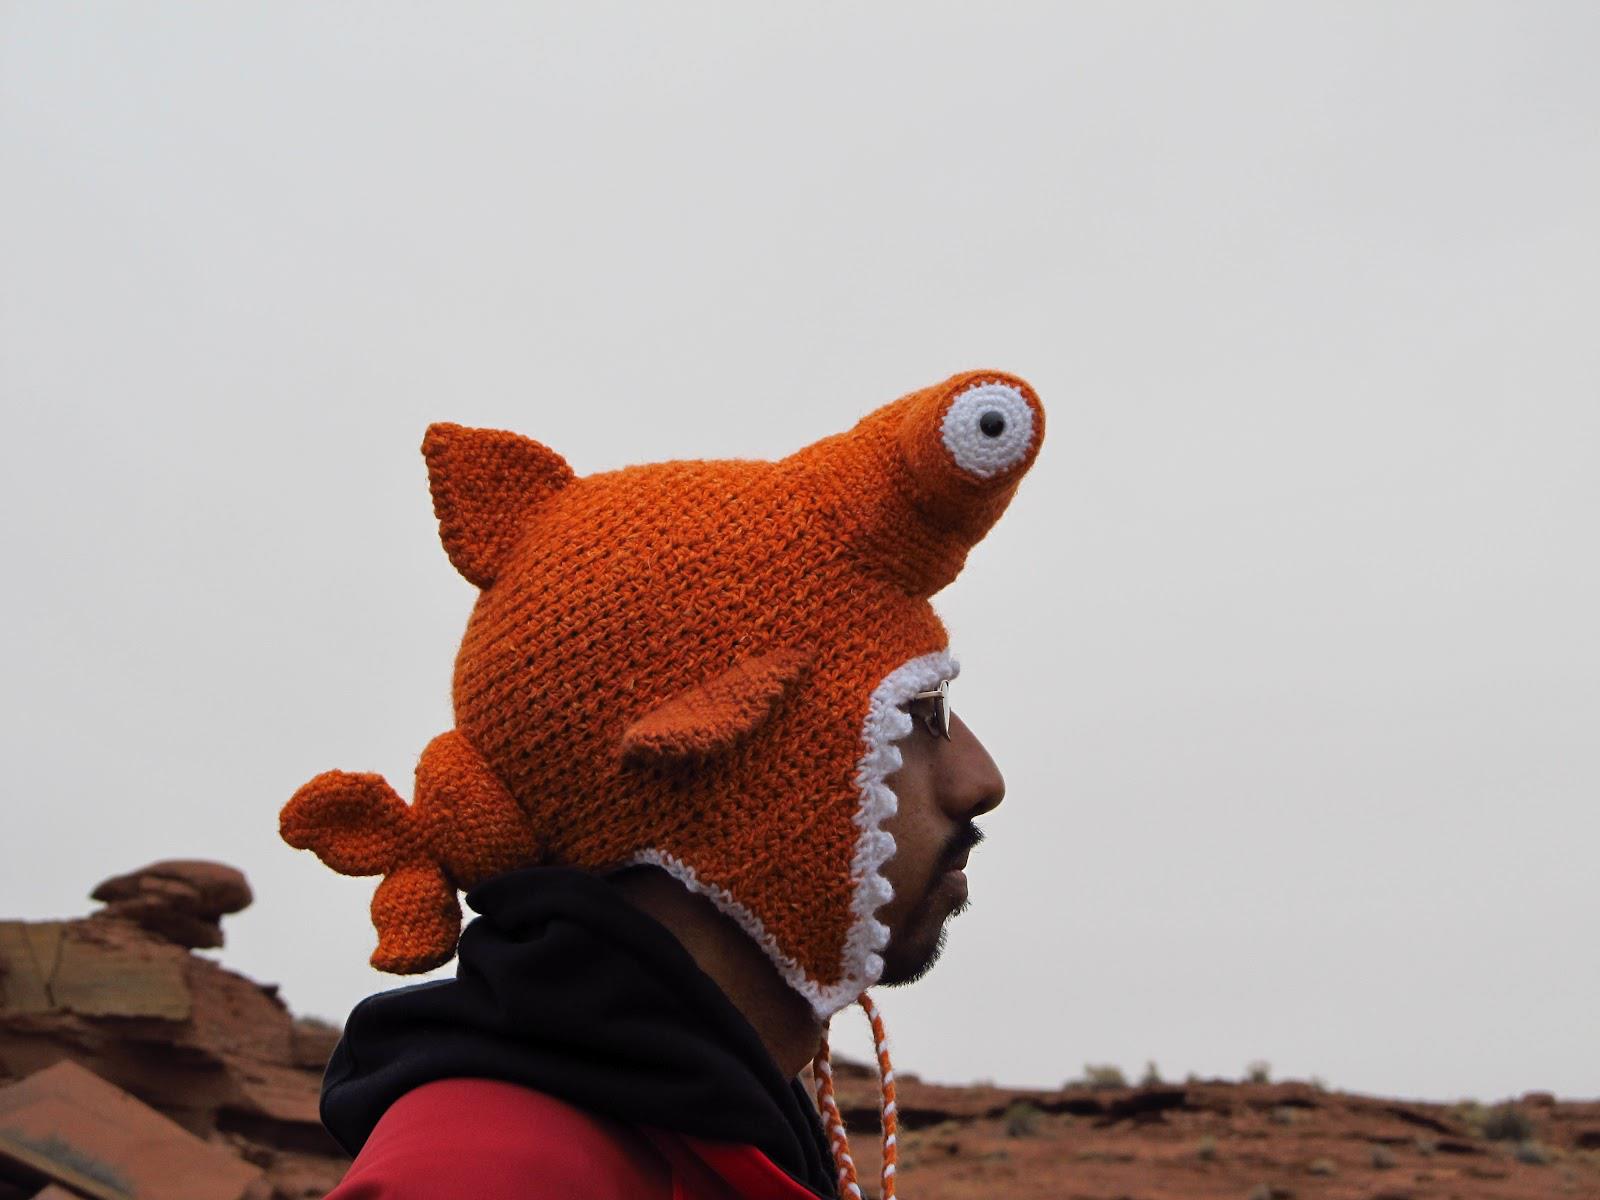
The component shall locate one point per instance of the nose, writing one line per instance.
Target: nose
(970, 781)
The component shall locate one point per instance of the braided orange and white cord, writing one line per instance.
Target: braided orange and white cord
(828, 1105)
(822, 1072)
(888, 1114)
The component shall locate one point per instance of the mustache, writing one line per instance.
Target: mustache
(965, 839)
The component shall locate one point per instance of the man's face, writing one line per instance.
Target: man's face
(941, 786)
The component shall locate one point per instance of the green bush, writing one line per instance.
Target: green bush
(1104, 1075)
(1382, 1158)
(1533, 1154)
(1151, 1077)
(1507, 1123)
(1472, 1114)
(1259, 1071)
(1022, 1119)
(1206, 1149)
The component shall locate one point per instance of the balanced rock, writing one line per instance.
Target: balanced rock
(181, 900)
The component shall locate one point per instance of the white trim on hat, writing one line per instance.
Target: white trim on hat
(862, 965)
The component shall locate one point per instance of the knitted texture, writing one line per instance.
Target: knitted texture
(833, 1122)
(701, 665)
(888, 1109)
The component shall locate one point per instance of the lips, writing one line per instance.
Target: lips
(955, 882)
(953, 878)
(955, 874)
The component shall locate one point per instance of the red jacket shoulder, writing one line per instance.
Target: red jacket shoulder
(481, 1139)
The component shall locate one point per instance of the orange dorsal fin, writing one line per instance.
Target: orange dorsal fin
(485, 482)
(718, 715)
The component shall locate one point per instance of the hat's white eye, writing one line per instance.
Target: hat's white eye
(988, 428)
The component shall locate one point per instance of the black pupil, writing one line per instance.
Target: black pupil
(992, 424)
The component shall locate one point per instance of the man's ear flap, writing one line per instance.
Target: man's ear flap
(716, 716)
(485, 483)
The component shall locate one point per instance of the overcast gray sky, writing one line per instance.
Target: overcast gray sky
(1288, 646)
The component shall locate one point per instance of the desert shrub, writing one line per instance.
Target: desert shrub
(1285, 1114)
(1533, 1154)
(1471, 1114)
(1259, 1071)
(1151, 1076)
(1104, 1075)
(1022, 1119)
(1206, 1149)
(1318, 1083)
(1382, 1158)
(1507, 1123)
(1427, 1146)
(1323, 1166)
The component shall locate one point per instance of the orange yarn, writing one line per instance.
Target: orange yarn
(463, 828)
(833, 1122)
(888, 1113)
(693, 664)
(888, 1110)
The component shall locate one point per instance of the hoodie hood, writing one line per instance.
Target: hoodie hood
(564, 987)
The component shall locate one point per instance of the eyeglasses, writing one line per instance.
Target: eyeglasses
(937, 719)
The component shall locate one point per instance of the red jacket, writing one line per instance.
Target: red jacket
(481, 1139)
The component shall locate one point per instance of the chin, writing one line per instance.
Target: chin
(913, 951)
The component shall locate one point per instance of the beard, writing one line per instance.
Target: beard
(908, 958)
(916, 945)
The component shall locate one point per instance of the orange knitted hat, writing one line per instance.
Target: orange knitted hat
(698, 665)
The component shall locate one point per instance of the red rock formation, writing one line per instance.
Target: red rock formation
(182, 900)
(1220, 1141)
(119, 993)
(68, 1125)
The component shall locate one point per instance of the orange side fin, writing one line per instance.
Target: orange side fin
(485, 482)
(719, 714)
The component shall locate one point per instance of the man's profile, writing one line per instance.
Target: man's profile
(704, 790)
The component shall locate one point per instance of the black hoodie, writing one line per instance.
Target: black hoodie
(565, 987)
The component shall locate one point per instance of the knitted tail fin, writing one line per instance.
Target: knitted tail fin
(358, 825)
(463, 828)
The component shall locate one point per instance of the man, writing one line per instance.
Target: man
(705, 789)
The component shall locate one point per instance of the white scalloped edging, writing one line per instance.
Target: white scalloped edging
(862, 964)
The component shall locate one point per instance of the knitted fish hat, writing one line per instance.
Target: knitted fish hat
(699, 665)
